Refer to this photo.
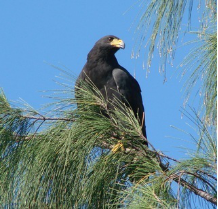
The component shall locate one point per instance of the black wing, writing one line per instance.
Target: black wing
(128, 87)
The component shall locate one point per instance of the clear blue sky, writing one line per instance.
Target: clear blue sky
(62, 33)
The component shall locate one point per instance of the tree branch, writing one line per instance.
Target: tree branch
(194, 189)
(201, 178)
(209, 175)
(47, 118)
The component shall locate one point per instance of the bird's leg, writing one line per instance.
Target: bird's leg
(118, 146)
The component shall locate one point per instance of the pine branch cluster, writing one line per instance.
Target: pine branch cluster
(67, 160)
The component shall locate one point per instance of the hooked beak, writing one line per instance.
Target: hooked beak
(118, 43)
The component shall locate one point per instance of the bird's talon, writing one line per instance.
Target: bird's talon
(117, 147)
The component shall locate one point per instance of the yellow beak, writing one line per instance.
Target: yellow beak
(118, 43)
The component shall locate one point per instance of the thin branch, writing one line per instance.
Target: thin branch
(209, 175)
(202, 179)
(158, 153)
(178, 191)
(165, 156)
(47, 118)
(194, 189)
(38, 128)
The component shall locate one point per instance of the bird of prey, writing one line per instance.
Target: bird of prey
(113, 81)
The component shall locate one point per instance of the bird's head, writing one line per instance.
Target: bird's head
(105, 47)
(110, 43)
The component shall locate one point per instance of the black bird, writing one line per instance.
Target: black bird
(110, 78)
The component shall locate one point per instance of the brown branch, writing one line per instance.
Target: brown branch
(201, 178)
(194, 189)
(47, 118)
(209, 175)
(163, 155)
(158, 153)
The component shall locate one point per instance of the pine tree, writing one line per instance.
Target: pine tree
(63, 158)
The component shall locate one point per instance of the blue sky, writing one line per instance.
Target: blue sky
(34, 33)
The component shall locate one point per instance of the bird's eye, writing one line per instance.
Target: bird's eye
(110, 39)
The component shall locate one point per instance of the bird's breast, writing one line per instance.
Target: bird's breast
(99, 74)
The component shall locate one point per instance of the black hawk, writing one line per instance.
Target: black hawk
(113, 81)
